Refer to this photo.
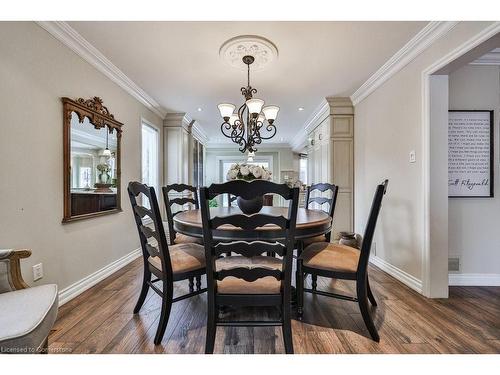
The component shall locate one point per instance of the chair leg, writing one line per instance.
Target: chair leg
(299, 285)
(198, 283)
(211, 326)
(361, 289)
(144, 289)
(191, 284)
(166, 305)
(370, 294)
(287, 325)
(314, 279)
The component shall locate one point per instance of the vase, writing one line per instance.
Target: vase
(104, 178)
(250, 206)
(348, 239)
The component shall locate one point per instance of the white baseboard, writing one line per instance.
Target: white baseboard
(400, 275)
(89, 281)
(474, 279)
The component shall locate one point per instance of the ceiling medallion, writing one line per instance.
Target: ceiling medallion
(262, 49)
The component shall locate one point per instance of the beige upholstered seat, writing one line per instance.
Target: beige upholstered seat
(311, 240)
(233, 285)
(182, 239)
(331, 257)
(184, 258)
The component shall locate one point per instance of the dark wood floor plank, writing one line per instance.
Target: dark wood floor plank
(100, 320)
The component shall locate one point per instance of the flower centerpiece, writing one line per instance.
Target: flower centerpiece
(249, 172)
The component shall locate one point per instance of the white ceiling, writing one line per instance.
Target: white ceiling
(178, 63)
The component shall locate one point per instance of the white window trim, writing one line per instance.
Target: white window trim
(150, 124)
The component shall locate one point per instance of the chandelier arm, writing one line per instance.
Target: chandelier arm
(270, 128)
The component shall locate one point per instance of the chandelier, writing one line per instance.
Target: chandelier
(247, 127)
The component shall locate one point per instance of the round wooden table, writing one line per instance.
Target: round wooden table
(310, 223)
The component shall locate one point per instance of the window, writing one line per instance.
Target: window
(150, 146)
(303, 168)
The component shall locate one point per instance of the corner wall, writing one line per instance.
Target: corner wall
(36, 70)
(473, 223)
(388, 126)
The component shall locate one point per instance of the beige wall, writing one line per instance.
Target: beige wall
(473, 231)
(388, 125)
(36, 70)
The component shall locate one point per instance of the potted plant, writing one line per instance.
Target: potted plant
(249, 172)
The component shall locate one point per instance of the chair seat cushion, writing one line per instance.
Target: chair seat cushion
(234, 285)
(311, 240)
(182, 238)
(331, 257)
(26, 318)
(184, 258)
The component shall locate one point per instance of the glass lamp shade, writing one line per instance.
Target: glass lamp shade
(271, 112)
(233, 118)
(254, 106)
(226, 110)
(106, 153)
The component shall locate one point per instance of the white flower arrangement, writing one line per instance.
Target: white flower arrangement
(248, 172)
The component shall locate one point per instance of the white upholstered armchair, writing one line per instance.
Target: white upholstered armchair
(26, 314)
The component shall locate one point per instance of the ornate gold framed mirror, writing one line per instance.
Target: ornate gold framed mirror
(91, 147)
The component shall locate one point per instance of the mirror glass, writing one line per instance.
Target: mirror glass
(93, 181)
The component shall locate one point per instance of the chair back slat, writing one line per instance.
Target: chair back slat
(370, 226)
(249, 249)
(242, 189)
(146, 232)
(180, 201)
(248, 274)
(320, 200)
(249, 222)
(213, 249)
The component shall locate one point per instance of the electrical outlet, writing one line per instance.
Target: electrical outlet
(413, 156)
(37, 271)
(374, 248)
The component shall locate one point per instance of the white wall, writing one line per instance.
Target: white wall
(36, 70)
(473, 232)
(388, 125)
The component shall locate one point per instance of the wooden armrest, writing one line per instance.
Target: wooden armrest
(14, 257)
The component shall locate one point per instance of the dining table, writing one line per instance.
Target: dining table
(310, 223)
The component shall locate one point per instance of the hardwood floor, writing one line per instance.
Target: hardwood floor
(101, 321)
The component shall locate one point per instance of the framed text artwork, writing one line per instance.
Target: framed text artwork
(470, 153)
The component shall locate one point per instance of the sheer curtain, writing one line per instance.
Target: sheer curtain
(150, 145)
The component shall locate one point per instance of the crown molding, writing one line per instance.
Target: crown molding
(78, 44)
(491, 58)
(419, 43)
(299, 142)
(199, 133)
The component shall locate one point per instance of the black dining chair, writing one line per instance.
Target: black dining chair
(250, 278)
(192, 201)
(330, 201)
(343, 262)
(168, 263)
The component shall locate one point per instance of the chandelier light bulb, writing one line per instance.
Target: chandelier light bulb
(106, 153)
(271, 112)
(254, 106)
(226, 110)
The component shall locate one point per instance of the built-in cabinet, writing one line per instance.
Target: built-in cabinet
(330, 154)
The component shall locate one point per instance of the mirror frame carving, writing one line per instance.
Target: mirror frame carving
(100, 117)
